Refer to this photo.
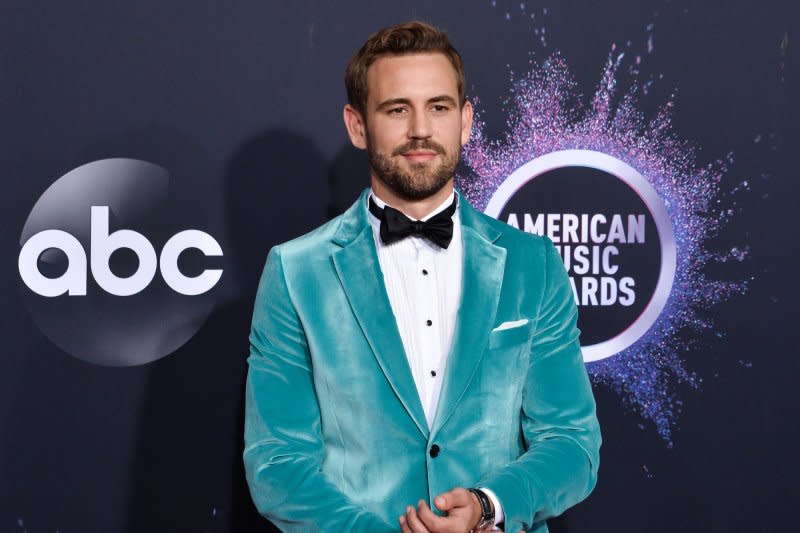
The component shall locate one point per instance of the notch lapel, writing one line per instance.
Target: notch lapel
(484, 264)
(360, 273)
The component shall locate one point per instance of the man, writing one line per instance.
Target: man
(414, 354)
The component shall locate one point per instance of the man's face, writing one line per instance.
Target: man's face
(414, 124)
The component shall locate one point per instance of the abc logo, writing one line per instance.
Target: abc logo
(109, 273)
(73, 281)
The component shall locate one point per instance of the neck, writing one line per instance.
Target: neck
(416, 209)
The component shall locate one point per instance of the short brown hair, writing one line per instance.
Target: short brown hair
(407, 38)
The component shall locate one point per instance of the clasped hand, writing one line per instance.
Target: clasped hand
(461, 509)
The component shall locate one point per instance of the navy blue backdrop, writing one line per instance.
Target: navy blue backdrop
(241, 103)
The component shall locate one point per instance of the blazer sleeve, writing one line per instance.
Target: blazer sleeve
(559, 423)
(283, 441)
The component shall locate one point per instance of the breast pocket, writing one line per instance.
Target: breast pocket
(502, 375)
(518, 334)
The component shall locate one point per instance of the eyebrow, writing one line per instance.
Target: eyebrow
(405, 101)
(442, 98)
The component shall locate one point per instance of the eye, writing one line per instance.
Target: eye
(396, 110)
(440, 108)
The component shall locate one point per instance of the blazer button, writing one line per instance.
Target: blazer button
(434, 450)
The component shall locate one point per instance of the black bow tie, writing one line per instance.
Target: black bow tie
(395, 226)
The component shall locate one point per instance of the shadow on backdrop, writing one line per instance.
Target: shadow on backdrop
(275, 190)
(347, 177)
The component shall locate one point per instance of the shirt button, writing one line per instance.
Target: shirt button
(429, 322)
(424, 272)
(433, 373)
(434, 450)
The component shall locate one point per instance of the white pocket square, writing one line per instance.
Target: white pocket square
(511, 324)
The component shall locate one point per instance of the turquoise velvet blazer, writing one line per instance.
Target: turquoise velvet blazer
(335, 434)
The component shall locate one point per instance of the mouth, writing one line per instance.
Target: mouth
(419, 156)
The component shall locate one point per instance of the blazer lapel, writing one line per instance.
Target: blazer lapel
(360, 273)
(484, 264)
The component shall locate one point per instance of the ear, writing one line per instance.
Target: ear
(356, 127)
(466, 122)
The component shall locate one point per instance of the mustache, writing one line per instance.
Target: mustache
(421, 144)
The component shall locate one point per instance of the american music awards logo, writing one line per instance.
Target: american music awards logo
(613, 233)
(106, 272)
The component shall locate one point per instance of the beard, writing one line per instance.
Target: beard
(422, 180)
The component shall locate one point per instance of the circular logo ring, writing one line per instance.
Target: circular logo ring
(648, 195)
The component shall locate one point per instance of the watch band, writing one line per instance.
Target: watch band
(487, 511)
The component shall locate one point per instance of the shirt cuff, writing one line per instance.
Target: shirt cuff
(498, 509)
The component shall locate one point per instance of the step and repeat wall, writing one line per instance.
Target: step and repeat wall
(153, 152)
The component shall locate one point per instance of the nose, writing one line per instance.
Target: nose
(419, 127)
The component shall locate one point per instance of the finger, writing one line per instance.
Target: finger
(403, 525)
(429, 519)
(412, 519)
(454, 498)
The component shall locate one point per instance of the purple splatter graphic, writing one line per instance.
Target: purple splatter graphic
(546, 114)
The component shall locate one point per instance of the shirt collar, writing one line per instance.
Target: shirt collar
(444, 205)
